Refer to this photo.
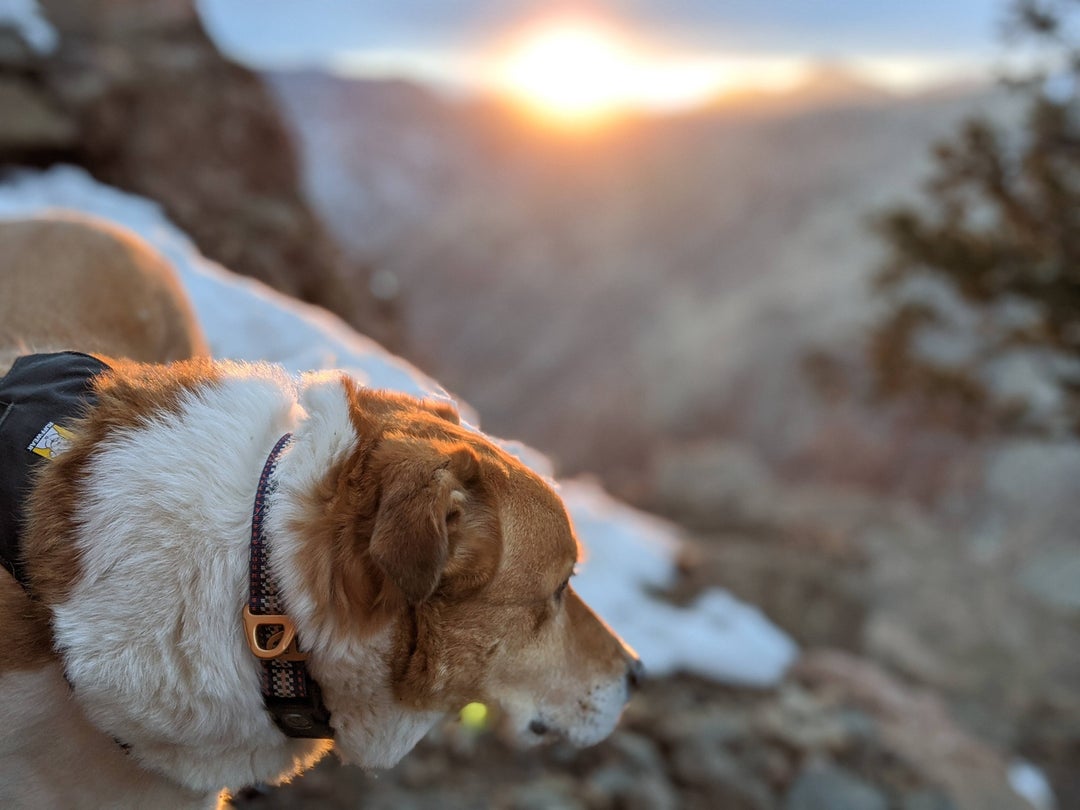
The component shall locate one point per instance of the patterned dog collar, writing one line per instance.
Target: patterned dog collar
(290, 694)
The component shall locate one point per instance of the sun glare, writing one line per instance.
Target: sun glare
(573, 73)
(578, 74)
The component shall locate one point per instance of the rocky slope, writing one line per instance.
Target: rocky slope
(138, 94)
(840, 734)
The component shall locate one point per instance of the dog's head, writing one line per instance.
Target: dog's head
(429, 569)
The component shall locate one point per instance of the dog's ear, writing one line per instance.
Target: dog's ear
(421, 493)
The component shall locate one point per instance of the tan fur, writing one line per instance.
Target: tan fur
(28, 640)
(69, 283)
(79, 284)
(355, 523)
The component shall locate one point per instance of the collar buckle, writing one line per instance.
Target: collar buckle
(271, 636)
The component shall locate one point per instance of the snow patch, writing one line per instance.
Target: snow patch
(26, 17)
(629, 559)
(1031, 784)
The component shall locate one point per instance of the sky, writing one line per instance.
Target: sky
(454, 42)
(285, 30)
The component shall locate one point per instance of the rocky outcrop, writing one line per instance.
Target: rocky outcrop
(137, 93)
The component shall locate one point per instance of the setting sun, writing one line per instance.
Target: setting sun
(578, 74)
(574, 73)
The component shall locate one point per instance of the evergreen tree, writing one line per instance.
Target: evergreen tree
(985, 270)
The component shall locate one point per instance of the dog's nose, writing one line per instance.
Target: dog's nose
(635, 673)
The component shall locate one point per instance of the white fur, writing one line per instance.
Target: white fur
(151, 636)
(584, 719)
(324, 437)
(53, 757)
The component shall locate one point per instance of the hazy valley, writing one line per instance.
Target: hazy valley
(604, 296)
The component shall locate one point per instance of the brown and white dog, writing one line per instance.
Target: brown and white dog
(422, 566)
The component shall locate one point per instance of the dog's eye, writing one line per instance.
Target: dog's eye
(562, 590)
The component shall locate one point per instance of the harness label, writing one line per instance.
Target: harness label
(51, 441)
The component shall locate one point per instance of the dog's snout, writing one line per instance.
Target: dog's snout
(635, 674)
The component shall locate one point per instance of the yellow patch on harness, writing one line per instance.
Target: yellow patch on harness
(51, 441)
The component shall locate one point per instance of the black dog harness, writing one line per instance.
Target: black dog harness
(40, 398)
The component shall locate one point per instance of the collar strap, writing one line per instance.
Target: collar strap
(290, 694)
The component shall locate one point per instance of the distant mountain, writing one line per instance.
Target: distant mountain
(824, 85)
(606, 296)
